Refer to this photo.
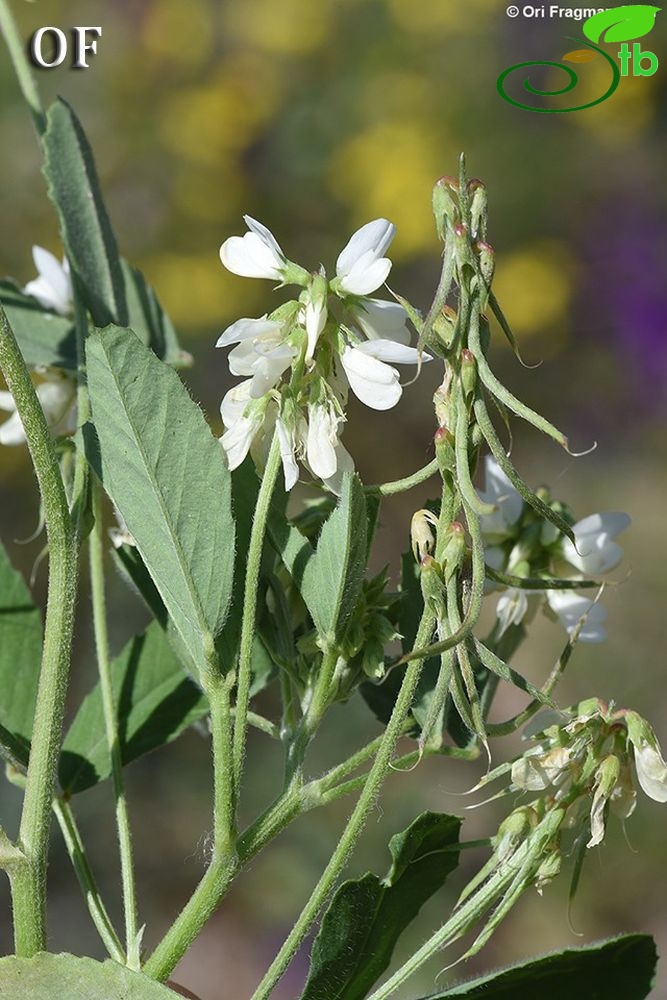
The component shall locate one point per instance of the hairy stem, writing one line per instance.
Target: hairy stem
(17, 54)
(75, 849)
(356, 822)
(96, 546)
(29, 879)
(250, 609)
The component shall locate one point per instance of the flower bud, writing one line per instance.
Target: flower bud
(422, 537)
(606, 778)
(444, 325)
(468, 372)
(478, 206)
(454, 548)
(432, 587)
(487, 261)
(445, 204)
(441, 402)
(548, 870)
(444, 450)
(513, 830)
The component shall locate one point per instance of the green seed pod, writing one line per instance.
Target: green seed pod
(454, 548)
(468, 372)
(445, 204)
(433, 588)
(444, 450)
(487, 261)
(478, 206)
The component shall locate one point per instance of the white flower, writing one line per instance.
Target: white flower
(255, 255)
(57, 396)
(322, 440)
(595, 550)
(239, 437)
(288, 443)
(536, 770)
(344, 463)
(380, 320)
(53, 286)
(499, 492)
(606, 778)
(651, 768)
(372, 381)
(511, 608)
(361, 266)
(261, 352)
(571, 607)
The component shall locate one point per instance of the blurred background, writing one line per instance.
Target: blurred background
(315, 118)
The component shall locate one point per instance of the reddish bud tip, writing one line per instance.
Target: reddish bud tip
(482, 247)
(449, 182)
(456, 528)
(474, 183)
(467, 357)
(442, 434)
(428, 562)
(460, 229)
(449, 313)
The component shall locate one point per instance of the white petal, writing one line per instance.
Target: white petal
(234, 403)
(390, 350)
(250, 257)
(373, 382)
(373, 238)
(651, 772)
(594, 551)
(500, 492)
(511, 608)
(268, 368)
(344, 463)
(56, 397)
(237, 440)
(242, 358)
(265, 235)
(571, 607)
(315, 320)
(287, 444)
(7, 402)
(320, 444)
(11, 431)
(366, 275)
(53, 287)
(384, 320)
(248, 329)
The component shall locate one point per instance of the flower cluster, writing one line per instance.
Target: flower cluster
(589, 753)
(520, 544)
(57, 391)
(333, 338)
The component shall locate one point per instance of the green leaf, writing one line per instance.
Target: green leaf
(20, 660)
(155, 700)
(67, 977)
(45, 338)
(167, 474)
(621, 24)
(620, 969)
(87, 235)
(337, 571)
(367, 916)
(149, 320)
(329, 578)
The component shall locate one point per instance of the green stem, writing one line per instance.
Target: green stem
(218, 693)
(250, 608)
(96, 546)
(313, 716)
(17, 54)
(215, 884)
(402, 485)
(75, 849)
(29, 881)
(356, 822)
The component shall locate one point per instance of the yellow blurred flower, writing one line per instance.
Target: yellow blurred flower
(388, 171)
(292, 26)
(443, 16)
(185, 38)
(534, 288)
